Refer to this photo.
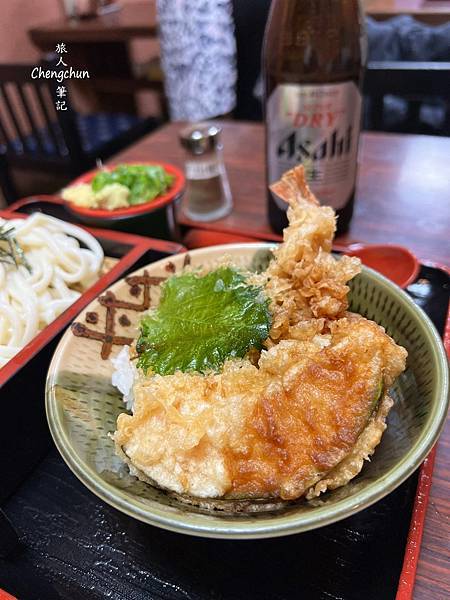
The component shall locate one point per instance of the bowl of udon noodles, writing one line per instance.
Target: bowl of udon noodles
(45, 266)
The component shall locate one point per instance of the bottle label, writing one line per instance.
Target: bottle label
(196, 169)
(318, 126)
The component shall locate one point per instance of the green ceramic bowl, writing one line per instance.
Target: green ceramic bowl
(82, 408)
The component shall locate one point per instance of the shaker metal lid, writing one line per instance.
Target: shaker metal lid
(200, 137)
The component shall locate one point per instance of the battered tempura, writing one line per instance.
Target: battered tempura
(299, 419)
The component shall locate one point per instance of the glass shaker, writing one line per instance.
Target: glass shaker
(208, 195)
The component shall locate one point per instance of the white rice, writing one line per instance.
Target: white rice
(124, 376)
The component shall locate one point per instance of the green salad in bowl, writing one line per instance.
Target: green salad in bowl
(120, 187)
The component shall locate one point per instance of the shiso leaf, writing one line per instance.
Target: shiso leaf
(201, 321)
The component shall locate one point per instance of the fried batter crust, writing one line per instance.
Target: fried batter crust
(305, 282)
(272, 431)
(300, 419)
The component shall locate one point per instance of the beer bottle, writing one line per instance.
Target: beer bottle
(313, 58)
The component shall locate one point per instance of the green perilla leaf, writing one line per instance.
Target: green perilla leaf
(201, 321)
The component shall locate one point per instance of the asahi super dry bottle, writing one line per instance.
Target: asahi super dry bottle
(313, 58)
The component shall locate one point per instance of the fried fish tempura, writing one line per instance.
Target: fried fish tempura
(300, 419)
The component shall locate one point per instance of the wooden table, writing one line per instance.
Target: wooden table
(132, 20)
(433, 12)
(403, 197)
(403, 193)
(101, 45)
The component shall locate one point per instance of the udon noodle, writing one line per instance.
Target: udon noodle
(59, 268)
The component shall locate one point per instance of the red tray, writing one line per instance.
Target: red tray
(415, 534)
(412, 548)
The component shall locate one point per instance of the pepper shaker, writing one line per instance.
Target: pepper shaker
(208, 195)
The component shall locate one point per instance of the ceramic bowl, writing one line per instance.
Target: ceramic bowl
(82, 406)
(155, 218)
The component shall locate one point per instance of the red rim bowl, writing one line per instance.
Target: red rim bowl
(174, 191)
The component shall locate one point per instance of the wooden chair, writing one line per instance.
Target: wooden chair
(6, 182)
(34, 135)
(413, 81)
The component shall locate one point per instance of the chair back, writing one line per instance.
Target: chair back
(415, 82)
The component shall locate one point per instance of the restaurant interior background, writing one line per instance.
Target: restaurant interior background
(406, 83)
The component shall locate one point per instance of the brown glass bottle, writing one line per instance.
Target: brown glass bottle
(313, 59)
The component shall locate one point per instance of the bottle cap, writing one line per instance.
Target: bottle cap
(200, 137)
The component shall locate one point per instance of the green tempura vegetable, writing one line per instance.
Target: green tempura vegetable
(145, 182)
(201, 321)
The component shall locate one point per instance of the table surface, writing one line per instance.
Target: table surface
(403, 191)
(403, 197)
(131, 21)
(139, 20)
(432, 12)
